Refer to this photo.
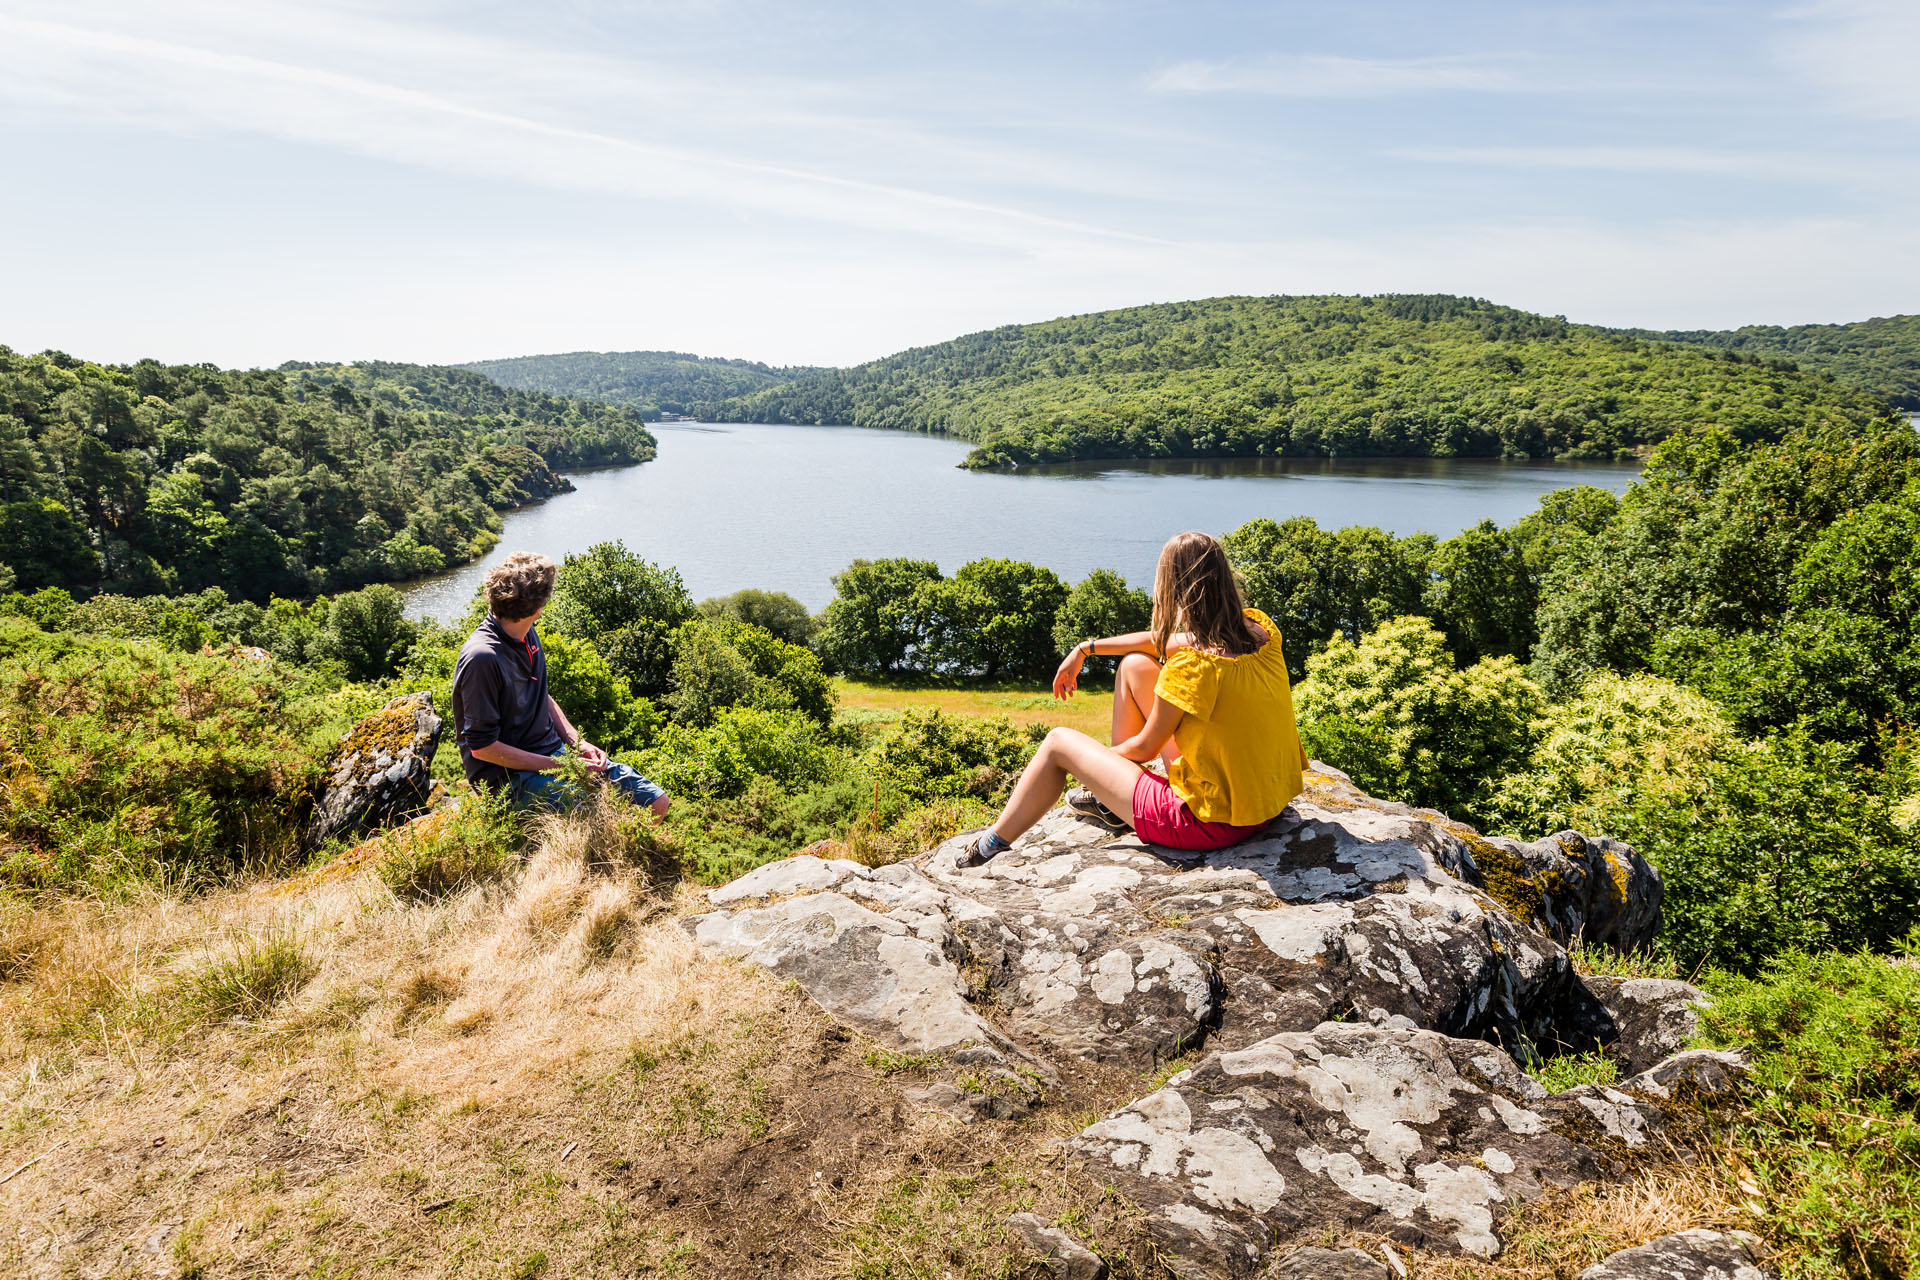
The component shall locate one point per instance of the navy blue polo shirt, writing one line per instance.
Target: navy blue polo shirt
(500, 695)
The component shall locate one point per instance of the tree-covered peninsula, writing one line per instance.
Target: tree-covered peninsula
(151, 478)
(1389, 375)
(654, 382)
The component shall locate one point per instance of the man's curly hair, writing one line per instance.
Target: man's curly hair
(520, 586)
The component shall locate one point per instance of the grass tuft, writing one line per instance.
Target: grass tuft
(250, 980)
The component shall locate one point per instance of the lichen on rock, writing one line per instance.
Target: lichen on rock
(381, 772)
(1359, 989)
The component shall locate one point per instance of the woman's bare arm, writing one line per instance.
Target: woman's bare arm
(1067, 678)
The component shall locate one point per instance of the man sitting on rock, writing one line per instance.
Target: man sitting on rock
(511, 731)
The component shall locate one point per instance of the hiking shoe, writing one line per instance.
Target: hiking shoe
(1088, 805)
(981, 849)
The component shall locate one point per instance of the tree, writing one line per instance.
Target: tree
(599, 703)
(369, 632)
(626, 607)
(993, 619)
(1397, 714)
(45, 545)
(1100, 604)
(872, 627)
(776, 611)
(1318, 585)
(1482, 595)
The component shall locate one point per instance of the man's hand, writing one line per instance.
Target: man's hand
(591, 756)
(1067, 678)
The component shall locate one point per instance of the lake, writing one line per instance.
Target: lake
(785, 508)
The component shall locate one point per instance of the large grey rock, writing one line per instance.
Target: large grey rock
(380, 774)
(1376, 938)
(1064, 1257)
(1686, 1255)
(1408, 1133)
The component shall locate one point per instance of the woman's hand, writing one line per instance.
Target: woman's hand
(1067, 678)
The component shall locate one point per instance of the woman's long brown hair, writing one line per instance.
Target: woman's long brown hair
(1195, 590)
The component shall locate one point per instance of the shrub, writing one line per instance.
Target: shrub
(1831, 1138)
(126, 759)
(934, 756)
(723, 758)
(1762, 846)
(1395, 713)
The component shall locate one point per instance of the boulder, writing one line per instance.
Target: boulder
(1686, 1255)
(1353, 974)
(1407, 1133)
(380, 774)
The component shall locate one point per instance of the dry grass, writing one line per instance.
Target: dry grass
(1090, 710)
(535, 1075)
(538, 1075)
(1567, 1231)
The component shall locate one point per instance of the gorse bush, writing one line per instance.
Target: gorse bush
(1397, 714)
(934, 756)
(128, 760)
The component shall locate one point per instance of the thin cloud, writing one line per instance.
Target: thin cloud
(161, 83)
(1322, 75)
(1764, 166)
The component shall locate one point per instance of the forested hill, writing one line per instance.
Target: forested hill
(148, 478)
(1387, 375)
(1881, 355)
(653, 382)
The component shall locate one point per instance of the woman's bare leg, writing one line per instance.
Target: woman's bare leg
(1133, 699)
(1133, 682)
(1063, 752)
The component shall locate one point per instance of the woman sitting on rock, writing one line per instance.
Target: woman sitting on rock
(1206, 690)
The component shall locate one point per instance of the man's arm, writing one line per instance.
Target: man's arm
(594, 758)
(500, 753)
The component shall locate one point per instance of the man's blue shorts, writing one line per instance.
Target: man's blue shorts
(529, 789)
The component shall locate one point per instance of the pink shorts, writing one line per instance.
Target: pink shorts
(1162, 817)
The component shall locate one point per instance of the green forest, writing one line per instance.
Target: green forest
(149, 478)
(1881, 355)
(654, 382)
(1390, 375)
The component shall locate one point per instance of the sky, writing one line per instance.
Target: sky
(824, 183)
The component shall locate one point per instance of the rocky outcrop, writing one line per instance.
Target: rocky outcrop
(1410, 1134)
(380, 774)
(1362, 977)
(1686, 1255)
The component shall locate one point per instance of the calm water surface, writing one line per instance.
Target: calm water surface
(786, 508)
